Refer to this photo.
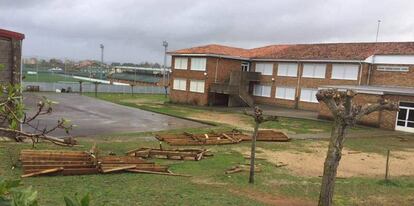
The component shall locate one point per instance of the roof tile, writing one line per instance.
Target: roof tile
(326, 51)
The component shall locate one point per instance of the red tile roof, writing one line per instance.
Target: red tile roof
(11, 34)
(327, 51)
(215, 49)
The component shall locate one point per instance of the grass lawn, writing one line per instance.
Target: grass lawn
(48, 77)
(208, 184)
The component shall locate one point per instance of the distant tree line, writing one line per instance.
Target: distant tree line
(142, 64)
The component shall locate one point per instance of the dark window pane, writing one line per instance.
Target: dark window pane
(402, 114)
(410, 124)
(401, 123)
(407, 104)
(411, 115)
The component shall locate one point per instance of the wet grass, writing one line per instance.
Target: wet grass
(160, 104)
(209, 185)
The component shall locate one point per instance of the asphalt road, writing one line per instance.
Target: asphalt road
(93, 117)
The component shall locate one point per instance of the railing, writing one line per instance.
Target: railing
(250, 76)
(224, 88)
(90, 87)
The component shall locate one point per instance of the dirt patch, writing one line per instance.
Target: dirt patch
(353, 163)
(232, 119)
(270, 199)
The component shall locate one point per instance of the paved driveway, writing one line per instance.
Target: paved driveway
(94, 117)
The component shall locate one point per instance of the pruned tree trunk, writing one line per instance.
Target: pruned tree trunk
(258, 119)
(345, 115)
(253, 153)
(331, 164)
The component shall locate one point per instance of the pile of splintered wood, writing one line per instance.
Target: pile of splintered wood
(173, 154)
(213, 138)
(58, 162)
(272, 136)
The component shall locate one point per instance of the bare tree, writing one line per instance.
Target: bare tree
(12, 114)
(345, 114)
(258, 119)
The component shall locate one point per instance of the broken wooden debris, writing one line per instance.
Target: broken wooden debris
(42, 172)
(157, 173)
(173, 154)
(214, 138)
(241, 168)
(59, 162)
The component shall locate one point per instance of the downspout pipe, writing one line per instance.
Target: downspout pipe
(370, 68)
(299, 76)
(360, 73)
(215, 75)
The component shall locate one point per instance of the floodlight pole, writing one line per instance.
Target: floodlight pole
(378, 28)
(102, 53)
(102, 57)
(165, 44)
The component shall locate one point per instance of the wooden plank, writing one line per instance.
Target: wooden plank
(158, 173)
(54, 162)
(54, 166)
(115, 169)
(73, 171)
(55, 159)
(47, 171)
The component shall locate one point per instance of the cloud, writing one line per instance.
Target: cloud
(133, 31)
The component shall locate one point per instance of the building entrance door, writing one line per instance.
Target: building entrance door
(405, 117)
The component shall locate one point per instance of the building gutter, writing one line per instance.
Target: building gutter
(310, 60)
(211, 55)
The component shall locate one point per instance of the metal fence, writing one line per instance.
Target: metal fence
(90, 87)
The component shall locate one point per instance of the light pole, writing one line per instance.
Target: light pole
(102, 59)
(102, 53)
(165, 44)
(378, 28)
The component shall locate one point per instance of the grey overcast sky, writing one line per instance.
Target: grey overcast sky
(133, 30)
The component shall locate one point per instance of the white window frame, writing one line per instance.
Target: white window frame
(197, 85)
(282, 93)
(180, 84)
(387, 68)
(312, 96)
(313, 67)
(287, 70)
(181, 63)
(345, 71)
(261, 93)
(198, 64)
(264, 68)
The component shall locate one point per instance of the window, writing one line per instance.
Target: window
(285, 93)
(198, 64)
(345, 71)
(392, 68)
(287, 69)
(180, 63)
(180, 84)
(197, 86)
(245, 66)
(264, 68)
(308, 95)
(314, 70)
(261, 90)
